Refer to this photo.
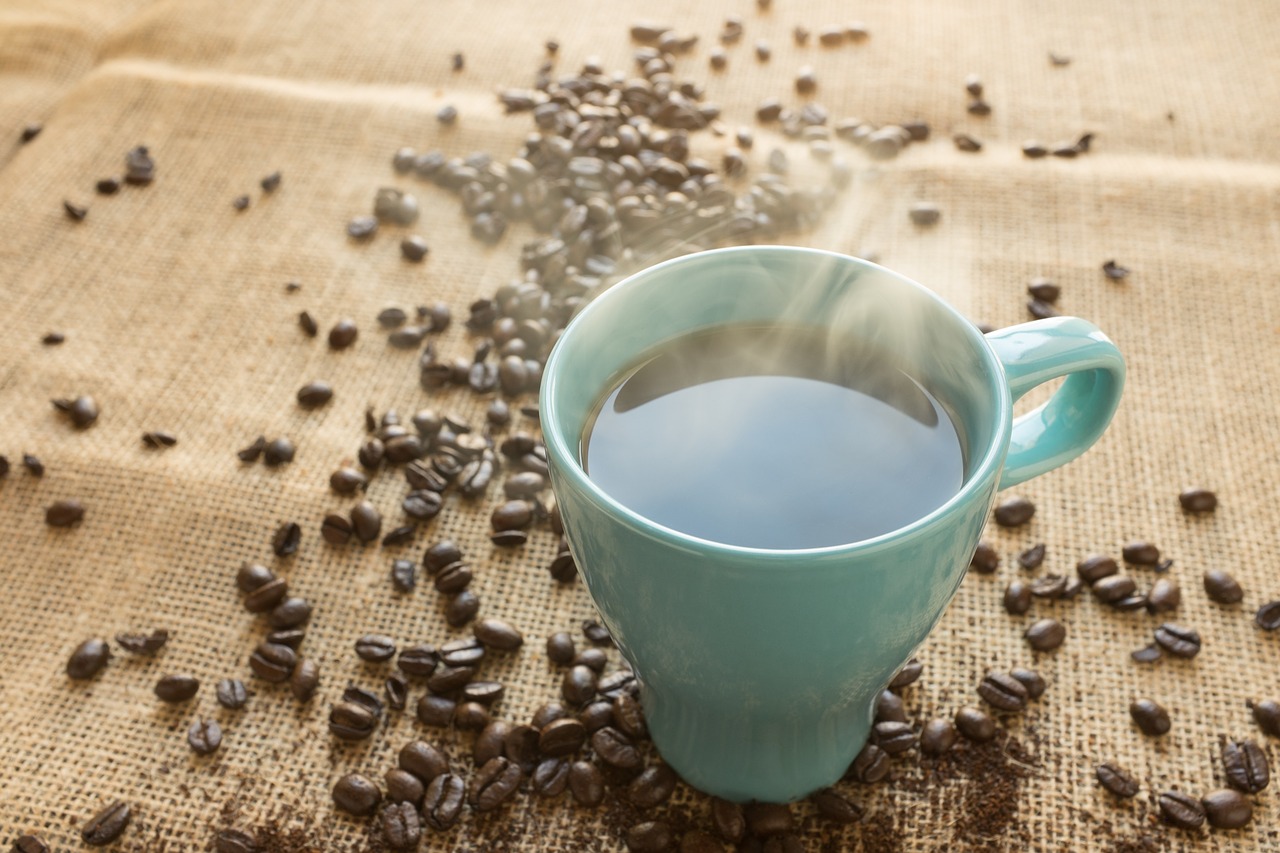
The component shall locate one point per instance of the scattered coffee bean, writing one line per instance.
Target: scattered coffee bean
(376, 648)
(1150, 717)
(651, 836)
(908, 675)
(890, 708)
(139, 166)
(366, 521)
(399, 536)
(498, 634)
(1181, 810)
(75, 212)
(286, 539)
(443, 802)
(357, 795)
(30, 844)
(88, 659)
(107, 186)
(240, 202)
(461, 609)
(1177, 640)
(1045, 635)
(273, 662)
(235, 841)
(401, 828)
(975, 724)
(177, 688)
(1267, 715)
(304, 680)
(423, 760)
(561, 737)
(343, 334)
(362, 227)
(1017, 598)
(1032, 558)
(1033, 150)
(1246, 766)
(551, 777)
(308, 324)
(253, 451)
(204, 737)
(107, 825)
(965, 142)
(396, 687)
(806, 80)
(1014, 512)
(1268, 616)
(1222, 587)
(560, 648)
(1141, 553)
(404, 787)
(1165, 596)
(1114, 589)
(835, 808)
(1095, 567)
(1114, 271)
(494, 783)
(231, 694)
(1198, 501)
(1117, 782)
(64, 513)
(653, 786)
(924, 213)
(1147, 654)
(985, 560)
(271, 182)
(278, 451)
(266, 594)
(938, 736)
(1227, 809)
(143, 644)
(315, 394)
(350, 720)
(1031, 680)
(159, 439)
(1044, 290)
(979, 107)
(1003, 692)
(615, 749)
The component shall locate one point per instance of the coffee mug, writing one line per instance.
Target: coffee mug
(759, 669)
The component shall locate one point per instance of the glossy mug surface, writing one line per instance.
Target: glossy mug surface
(759, 669)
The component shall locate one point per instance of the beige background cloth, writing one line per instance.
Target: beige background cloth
(177, 318)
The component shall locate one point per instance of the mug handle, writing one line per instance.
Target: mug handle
(1076, 415)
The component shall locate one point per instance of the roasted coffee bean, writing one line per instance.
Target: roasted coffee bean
(1114, 271)
(1017, 598)
(401, 828)
(414, 248)
(315, 394)
(399, 536)
(1095, 567)
(336, 529)
(908, 675)
(1044, 290)
(290, 613)
(366, 521)
(286, 539)
(419, 661)
(204, 737)
(1222, 587)
(447, 679)
(1147, 654)
(1227, 809)
(597, 715)
(88, 659)
(1198, 500)
(806, 80)
(362, 227)
(560, 649)
(985, 560)
(291, 637)
(423, 760)
(893, 737)
(549, 712)
(1117, 781)
(1268, 616)
(440, 554)
(235, 841)
(304, 680)
(1033, 150)
(975, 724)
(498, 634)
(376, 648)
(253, 451)
(403, 448)
(308, 324)
(240, 202)
(144, 643)
(1003, 692)
(352, 720)
(483, 692)
(371, 453)
(466, 651)
(1045, 635)
(107, 186)
(453, 578)
(1014, 512)
(628, 717)
(64, 513)
(512, 515)
(1114, 588)
(443, 801)
(251, 576)
(422, 505)
(491, 742)
(461, 609)
(75, 212)
(579, 685)
(159, 438)
(765, 819)
(278, 451)
(404, 575)
(392, 318)
(524, 484)
(273, 663)
(177, 688)
(551, 777)
(494, 783)
(1246, 766)
(1181, 810)
(266, 596)
(1150, 717)
(890, 708)
(1031, 680)
(965, 142)
(835, 808)
(924, 213)
(594, 659)
(937, 736)
(107, 825)
(1140, 553)
(271, 182)
(403, 787)
(1049, 586)
(654, 785)
(29, 461)
(561, 737)
(615, 749)
(348, 481)
(563, 568)
(1267, 715)
(1164, 596)
(1032, 558)
(651, 836)
(1178, 640)
(231, 693)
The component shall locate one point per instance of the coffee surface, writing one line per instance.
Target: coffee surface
(773, 437)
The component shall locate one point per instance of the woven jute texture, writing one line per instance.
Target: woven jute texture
(177, 318)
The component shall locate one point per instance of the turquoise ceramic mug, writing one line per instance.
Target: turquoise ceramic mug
(759, 669)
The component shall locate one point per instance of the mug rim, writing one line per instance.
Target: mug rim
(568, 464)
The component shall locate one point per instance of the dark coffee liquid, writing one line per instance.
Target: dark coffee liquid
(773, 437)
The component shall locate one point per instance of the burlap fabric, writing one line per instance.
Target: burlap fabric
(177, 318)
